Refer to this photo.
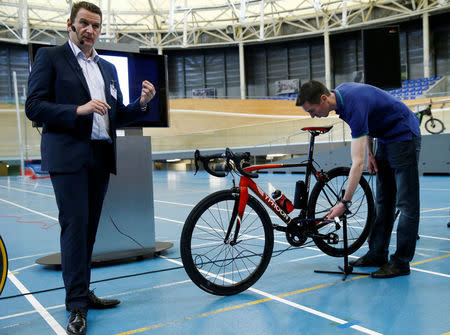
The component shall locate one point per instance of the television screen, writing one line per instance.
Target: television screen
(132, 69)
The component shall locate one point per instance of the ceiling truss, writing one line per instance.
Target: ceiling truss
(245, 21)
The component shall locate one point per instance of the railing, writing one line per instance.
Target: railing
(218, 130)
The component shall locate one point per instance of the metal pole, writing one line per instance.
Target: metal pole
(19, 130)
(326, 38)
(261, 21)
(108, 20)
(185, 27)
(426, 45)
(171, 15)
(243, 10)
(23, 19)
(242, 69)
(25, 133)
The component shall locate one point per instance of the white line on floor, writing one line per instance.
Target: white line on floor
(57, 328)
(170, 220)
(436, 250)
(107, 296)
(435, 189)
(304, 258)
(436, 210)
(431, 272)
(26, 191)
(174, 203)
(434, 237)
(28, 209)
(31, 256)
(25, 267)
(290, 303)
(422, 254)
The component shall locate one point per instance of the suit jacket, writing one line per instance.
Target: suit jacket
(56, 87)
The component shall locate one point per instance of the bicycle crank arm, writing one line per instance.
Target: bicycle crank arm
(279, 228)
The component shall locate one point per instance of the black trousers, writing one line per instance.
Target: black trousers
(397, 186)
(79, 196)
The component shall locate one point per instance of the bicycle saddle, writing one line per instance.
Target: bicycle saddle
(320, 130)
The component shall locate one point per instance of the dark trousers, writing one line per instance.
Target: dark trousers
(79, 196)
(397, 186)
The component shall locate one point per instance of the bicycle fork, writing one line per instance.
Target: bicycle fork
(237, 215)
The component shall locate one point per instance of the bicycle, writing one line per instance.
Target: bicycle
(227, 240)
(432, 125)
(3, 265)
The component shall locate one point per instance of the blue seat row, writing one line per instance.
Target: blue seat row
(420, 81)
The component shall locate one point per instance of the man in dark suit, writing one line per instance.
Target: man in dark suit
(75, 94)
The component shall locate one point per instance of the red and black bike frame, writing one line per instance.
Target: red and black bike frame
(245, 183)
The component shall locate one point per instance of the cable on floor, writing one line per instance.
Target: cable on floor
(275, 253)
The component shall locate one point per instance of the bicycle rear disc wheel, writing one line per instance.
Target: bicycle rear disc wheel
(215, 265)
(327, 194)
(434, 126)
(3, 265)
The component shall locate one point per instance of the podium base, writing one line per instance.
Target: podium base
(112, 257)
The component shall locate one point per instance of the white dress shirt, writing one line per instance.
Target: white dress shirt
(96, 84)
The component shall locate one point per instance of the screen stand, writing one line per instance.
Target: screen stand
(347, 269)
(127, 228)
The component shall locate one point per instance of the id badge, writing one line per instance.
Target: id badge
(113, 91)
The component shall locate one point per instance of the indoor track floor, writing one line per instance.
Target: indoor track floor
(290, 298)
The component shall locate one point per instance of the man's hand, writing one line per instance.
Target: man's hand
(93, 106)
(372, 164)
(336, 211)
(147, 93)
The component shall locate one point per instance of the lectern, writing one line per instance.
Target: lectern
(127, 224)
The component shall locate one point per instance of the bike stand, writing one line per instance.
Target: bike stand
(347, 269)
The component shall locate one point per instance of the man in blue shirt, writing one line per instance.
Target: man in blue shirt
(373, 113)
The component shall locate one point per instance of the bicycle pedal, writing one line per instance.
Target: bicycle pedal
(332, 238)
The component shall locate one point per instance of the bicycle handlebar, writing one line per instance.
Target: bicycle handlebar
(426, 111)
(237, 158)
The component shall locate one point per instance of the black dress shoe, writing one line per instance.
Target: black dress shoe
(97, 303)
(77, 322)
(367, 261)
(390, 270)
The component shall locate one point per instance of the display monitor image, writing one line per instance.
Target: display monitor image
(132, 69)
(121, 64)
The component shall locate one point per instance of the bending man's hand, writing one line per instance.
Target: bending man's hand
(372, 164)
(147, 93)
(336, 211)
(93, 106)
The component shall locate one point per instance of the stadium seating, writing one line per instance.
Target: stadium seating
(410, 90)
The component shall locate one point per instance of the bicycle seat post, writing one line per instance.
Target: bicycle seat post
(310, 157)
(311, 145)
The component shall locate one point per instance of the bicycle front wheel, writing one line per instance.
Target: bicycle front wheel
(434, 126)
(327, 194)
(3, 265)
(212, 262)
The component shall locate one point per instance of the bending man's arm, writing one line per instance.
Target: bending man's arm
(358, 150)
